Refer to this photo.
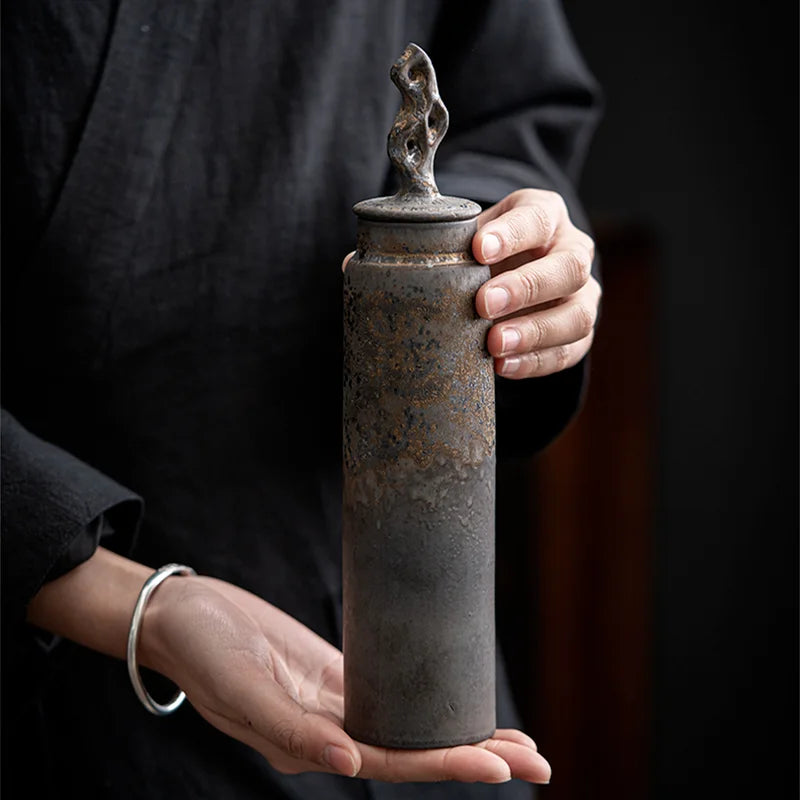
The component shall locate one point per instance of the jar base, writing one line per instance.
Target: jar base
(419, 744)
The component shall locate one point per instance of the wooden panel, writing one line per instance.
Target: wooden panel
(582, 662)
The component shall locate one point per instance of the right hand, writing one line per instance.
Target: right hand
(262, 677)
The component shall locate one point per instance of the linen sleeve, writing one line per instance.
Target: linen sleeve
(523, 107)
(54, 510)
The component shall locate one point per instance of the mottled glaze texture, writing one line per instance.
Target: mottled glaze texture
(419, 453)
(418, 512)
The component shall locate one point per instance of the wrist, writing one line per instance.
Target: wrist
(91, 604)
(157, 628)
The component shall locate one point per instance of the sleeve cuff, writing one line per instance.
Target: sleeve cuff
(532, 412)
(50, 500)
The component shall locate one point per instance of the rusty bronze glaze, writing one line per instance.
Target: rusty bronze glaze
(419, 454)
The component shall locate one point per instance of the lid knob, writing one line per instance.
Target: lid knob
(419, 127)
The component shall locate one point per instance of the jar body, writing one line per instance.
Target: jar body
(419, 490)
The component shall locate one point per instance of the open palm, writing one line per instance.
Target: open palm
(264, 678)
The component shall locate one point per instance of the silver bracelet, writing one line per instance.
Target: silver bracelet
(150, 585)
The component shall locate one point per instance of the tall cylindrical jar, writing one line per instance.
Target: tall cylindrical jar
(419, 458)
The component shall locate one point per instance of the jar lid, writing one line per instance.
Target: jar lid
(419, 127)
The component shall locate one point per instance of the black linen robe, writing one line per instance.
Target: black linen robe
(177, 189)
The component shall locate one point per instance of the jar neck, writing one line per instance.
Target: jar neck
(427, 243)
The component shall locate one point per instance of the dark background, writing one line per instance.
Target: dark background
(689, 686)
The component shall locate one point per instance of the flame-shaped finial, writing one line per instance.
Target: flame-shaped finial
(420, 124)
(418, 128)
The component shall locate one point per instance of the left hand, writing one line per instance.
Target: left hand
(541, 290)
(262, 677)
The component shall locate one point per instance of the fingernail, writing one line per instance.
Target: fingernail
(509, 339)
(510, 366)
(339, 759)
(490, 246)
(497, 298)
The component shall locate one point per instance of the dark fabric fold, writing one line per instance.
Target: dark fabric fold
(52, 506)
